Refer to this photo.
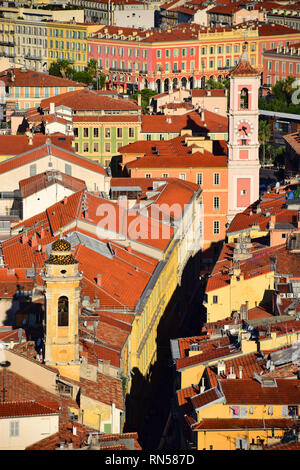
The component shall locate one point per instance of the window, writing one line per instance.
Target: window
(119, 132)
(182, 176)
(215, 299)
(107, 132)
(26, 92)
(165, 175)
(63, 311)
(32, 169)
(216, 227)
(85, 132)
(107, 147)
(68, 169)
(216, 179)
(95, 147)
(158, 54)
(216, 203)
(14, 428)
(131, 132)
(96, 132)
(85, 147)
(75, 131)
(199, 178)
(148, 175)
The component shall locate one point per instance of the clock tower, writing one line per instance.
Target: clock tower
(243, 144)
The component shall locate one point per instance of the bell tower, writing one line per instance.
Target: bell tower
(62, 284)
(243, 144)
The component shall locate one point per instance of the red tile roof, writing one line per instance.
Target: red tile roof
(19, 144)
(211, 123)
(45, 150)
(234, 423)
(250, 391)
(33, 78)
(84, 100)
(38, 182)
(12, 409)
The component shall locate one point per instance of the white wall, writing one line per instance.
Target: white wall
(134, 18)
(31, 430)
(41, 200)
(9, 181)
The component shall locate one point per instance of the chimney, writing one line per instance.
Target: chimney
(241, 372)
(52, 108)
(30, 139)
(74, 431)
(24, 239)
(221, 367)
(231, 374)
(99, 280)
(33, 241)
(65, 200)
(202, 387)
(139, 97)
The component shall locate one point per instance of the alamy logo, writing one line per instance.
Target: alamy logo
(157, 222)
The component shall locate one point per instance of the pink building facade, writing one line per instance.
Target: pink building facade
(243, 144)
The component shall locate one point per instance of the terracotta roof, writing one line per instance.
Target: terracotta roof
(211, 123)
(199, 93)
(32, 78)
(12, 409)
(110, 118)
(122, 441)
(39, 152)
(244, 68)
(19, 144)
(205, 398)
(38, 182)
(234, 423)
(83, 100)
(250, 391)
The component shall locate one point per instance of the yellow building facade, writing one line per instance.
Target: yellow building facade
(223, 301)
(68, 41)
(62, 282)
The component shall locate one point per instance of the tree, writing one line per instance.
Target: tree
(92, 67)
(61, 68)
(83, 77)
(146, 95)
(214, 84)
(264, 135)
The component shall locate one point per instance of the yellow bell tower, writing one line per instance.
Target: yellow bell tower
(62, 283)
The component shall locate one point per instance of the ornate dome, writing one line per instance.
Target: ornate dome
(61, 245)
(61, 253)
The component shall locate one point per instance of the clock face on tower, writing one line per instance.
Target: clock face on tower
(243, 128)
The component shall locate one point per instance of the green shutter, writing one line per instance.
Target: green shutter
(107, 428)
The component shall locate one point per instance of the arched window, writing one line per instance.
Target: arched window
(244, 99)
(63, 311)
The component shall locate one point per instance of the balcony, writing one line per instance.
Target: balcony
(32, 57)
(7, 54)
(226, 67)
(114, 69)
(176, 71)
(7, 43)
